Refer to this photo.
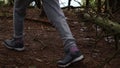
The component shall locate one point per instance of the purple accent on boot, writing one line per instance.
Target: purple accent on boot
(74, 49)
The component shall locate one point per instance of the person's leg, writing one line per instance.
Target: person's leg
(19, 13)
(56, 16)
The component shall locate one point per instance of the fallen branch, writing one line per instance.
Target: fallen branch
(41, 42)
(105, 23)
(43, 21)
(72, 7)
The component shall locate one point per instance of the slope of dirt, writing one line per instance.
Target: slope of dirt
(44, 45)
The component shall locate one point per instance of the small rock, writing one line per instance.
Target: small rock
(39, 60)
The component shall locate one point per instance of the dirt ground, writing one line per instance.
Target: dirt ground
(44, 45)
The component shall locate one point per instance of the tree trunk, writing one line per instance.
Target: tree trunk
(69, 2)
(87, 4)
(99, 6)
(105, 23)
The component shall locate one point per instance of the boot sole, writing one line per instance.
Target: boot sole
(75, 60)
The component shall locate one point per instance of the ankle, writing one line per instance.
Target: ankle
(74, 49)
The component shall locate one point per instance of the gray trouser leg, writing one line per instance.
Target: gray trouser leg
(56, 16)
(19, 13)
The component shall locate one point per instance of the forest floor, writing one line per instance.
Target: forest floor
(44, 45)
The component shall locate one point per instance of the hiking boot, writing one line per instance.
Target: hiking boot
(15, 44)
(70, 57)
